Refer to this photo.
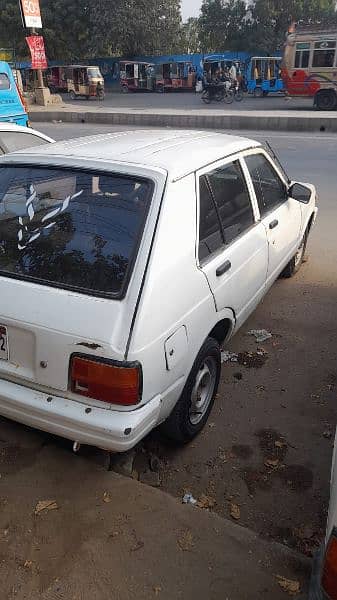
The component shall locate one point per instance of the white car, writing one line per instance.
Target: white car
(324, 576)
(126, 260)
(14, 137)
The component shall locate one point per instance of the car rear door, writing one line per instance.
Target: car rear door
(232, 245)
(280, 215)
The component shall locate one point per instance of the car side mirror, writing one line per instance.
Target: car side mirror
(300, 192)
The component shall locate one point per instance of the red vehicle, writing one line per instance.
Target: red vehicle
(309, 66)
(175, 76)
(136, 76)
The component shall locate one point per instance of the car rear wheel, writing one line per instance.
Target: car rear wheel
(295, 263)
(191, 412)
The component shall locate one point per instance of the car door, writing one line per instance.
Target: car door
(232, 248)
(280, 214)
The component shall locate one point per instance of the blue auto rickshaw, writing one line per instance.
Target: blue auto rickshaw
(12, 109)
(263, 75)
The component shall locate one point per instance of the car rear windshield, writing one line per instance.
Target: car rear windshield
(71, 229)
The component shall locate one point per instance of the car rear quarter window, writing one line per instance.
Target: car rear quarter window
(71, 229)
(232, 199)
(5, 83)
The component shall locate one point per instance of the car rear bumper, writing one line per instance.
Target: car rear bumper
(104, 428)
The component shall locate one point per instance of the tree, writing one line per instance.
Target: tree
(190, 39)
(135, 27)
(224, 25)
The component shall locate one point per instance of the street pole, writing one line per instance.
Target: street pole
(40, 83)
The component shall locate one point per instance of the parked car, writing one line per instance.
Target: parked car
(12, 109)
(126, 261)
(324, 576)
(14, 137)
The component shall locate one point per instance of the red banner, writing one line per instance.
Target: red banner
(37, 51)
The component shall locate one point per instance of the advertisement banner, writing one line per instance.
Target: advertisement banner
(31, 13)
(37, 51)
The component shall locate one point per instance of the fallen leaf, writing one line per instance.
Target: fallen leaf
(272, 463)
(107, 498)
(280, 444)
(45, 505)
(157, 590)
(28, 564)
(186, 541)
(288, 585)
(235, 511)
(206, 502)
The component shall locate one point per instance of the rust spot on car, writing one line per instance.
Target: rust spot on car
(89, 345)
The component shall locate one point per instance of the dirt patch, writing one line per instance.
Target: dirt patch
(297, 477)
(13, 457)
(252, 360)
(272, 444)
(256, 479)
(242, 451)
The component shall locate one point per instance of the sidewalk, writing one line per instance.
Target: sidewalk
(112, 538)
(202, 118)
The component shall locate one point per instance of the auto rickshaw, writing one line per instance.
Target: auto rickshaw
(136, 76)
(175, 76)
(57, 79)
(84, 80)
(263, 75)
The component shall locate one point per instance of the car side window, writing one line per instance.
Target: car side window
(17, 140)
(269, 188)
(210, 237)
(232, 199)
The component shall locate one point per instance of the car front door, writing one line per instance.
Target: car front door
(280, 214)
(232, 248)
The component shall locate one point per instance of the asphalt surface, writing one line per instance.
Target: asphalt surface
(184, 100)
(268, 445)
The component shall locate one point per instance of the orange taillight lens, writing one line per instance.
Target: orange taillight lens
(106, 381)
(329, 576)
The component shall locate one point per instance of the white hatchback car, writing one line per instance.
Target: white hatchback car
(126, 260)
(14, 137)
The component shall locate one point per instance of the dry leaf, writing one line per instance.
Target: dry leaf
(45, 505)
(279, 444)
(28, 564)
(186, 541)
(288, 585)
(157, 590)
(107, 498)
(272, 463)
(235, 511)
(206, 502)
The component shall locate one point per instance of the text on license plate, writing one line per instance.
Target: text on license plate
(3, 343)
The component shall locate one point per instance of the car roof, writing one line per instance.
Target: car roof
(179, 152)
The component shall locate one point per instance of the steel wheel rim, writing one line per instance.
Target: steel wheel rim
(203, 390)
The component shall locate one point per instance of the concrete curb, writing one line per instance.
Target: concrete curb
(253, 121)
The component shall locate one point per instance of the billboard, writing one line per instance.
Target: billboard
(31, 16)
(37, 51)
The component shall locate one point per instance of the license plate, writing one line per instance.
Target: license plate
(3, 343)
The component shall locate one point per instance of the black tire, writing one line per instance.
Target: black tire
(326, 100)
(229, 97)
(72, 95)
(125, 89)
(295, 263)
(179, 427)
(205, 97)
(258, 92)
(238, 95)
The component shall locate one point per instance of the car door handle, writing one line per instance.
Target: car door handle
(223, 268)
(273, 224)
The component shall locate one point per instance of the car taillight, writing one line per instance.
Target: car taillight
(329, 576)
(105, 380)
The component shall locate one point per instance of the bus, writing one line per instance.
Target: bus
(309, 66)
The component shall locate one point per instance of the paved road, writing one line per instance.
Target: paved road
(193, 101)
(291, 400)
